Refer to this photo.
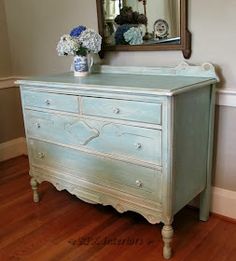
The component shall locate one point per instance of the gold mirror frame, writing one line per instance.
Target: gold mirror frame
(185, 35)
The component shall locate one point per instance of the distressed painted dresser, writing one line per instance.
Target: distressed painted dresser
(135, 138)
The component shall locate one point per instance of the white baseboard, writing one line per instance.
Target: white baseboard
(13, 148)
(226, 97)
(224, 202)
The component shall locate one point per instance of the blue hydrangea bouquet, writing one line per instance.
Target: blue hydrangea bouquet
(79, 43)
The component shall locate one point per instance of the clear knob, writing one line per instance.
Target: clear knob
(47, 102)
(138, 146)
(139, 183)
(116, 110)
(41, 155)
(38, 125)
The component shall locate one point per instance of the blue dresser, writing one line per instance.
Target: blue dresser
(135, 138)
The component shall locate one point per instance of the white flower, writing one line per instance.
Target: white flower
(67, 45)
(87, 41)
(91, 40)
(133, 36)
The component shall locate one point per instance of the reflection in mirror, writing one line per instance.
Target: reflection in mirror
(144, 25)
(141, 22)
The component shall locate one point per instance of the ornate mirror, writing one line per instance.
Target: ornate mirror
(144, 25)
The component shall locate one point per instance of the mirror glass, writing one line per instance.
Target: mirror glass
(141, 22)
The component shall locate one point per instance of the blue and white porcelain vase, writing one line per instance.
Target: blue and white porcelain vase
(82, 65)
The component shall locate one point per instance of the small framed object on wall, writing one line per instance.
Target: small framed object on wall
(161, 29)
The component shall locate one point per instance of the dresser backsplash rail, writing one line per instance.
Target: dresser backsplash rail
(183, 69)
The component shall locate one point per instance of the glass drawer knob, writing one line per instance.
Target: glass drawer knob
(116, 110)
(38, 125)
(139, 183)
(41, 155)
(47, 102)
(138, 146)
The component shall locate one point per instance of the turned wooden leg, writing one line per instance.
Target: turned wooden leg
(167, 235)
(34, 185)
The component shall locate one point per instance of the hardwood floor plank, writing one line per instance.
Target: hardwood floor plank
(110, 232)
(62, 227)
(44, 233)
(64, 248)
(34, 218)
(13, 167)
(220, 242)
(137, 241)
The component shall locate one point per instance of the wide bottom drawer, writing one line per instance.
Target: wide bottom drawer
(127, 177)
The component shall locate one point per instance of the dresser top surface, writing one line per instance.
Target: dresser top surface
(166, 84)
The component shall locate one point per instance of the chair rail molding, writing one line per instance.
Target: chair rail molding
(9, 82)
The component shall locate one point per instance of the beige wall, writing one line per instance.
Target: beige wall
(5, 68)
(35, 27)
(11, 122)
(11, 125)
(225, 148)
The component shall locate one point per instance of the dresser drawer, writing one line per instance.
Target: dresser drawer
(120, 109)
(96, 135)
(126, 177)
(60, 102)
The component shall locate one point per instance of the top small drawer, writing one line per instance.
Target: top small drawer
(121, 109)
(60, 102)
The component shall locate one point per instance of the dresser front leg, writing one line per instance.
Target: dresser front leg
(167, 235)
(205, 200)
(34, 185)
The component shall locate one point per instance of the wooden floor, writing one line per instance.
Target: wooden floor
(62, 227)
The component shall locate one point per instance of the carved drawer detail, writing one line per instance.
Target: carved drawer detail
(131, 143)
